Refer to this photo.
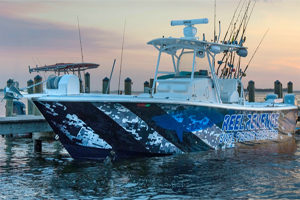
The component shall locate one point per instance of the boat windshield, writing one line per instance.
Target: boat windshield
(185, 65)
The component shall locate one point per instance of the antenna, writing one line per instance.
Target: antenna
(121, 57)
(80, 39)
(215, 8)
(189, 30)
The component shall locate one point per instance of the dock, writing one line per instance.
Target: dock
(22, 124)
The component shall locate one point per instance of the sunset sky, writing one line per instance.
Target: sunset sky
(45, 32)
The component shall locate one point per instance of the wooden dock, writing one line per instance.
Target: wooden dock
(22, 124)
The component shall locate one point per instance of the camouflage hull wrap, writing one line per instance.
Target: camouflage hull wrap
(94, 130)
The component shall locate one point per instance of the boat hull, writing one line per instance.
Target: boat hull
(95, 130)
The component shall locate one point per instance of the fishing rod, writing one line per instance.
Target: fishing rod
(244, 73)
(243, 21)
(243, 24)
(121, 57)
(232, 20)
(237, 72)
(236, 21)
(233, 17)
(246, 25)
(232, 64)
(243, 39)
(225, 65)
(220, 63)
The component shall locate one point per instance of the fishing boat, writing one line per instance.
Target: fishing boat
(197, 103)
(191, 107)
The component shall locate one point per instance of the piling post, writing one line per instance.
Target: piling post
(127, 86)
(151, 85)
(29, 102)
(290, 87)
(146, 87)
(251, 90)
(81, 85)
(87, 83)
(151, 82)
(278, 88)
(9, 107)
(37, 146)
(281, 96)
(105, 86)
(37, 89)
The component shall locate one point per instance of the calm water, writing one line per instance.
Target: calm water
(263, 171)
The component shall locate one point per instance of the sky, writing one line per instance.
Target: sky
(45, 32)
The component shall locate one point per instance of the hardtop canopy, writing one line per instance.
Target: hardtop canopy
(171, 45)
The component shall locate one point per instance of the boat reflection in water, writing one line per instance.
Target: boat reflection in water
(268, 170)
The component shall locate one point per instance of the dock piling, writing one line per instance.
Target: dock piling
(151, 85)
(146, 87)
(278, 88)
(9, 107)
(251, 90)
(37, 146)
(128, 84)
(290, 87)
(37, 89)
(87, 82)
(105, 86)
(29, 102)
(80, 85)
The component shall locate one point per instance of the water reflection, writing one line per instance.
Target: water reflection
(261, 171)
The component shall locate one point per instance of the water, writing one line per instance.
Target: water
(251, 172)
(263, 171)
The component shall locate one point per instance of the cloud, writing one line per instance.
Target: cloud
(35, 34)
(30, 34)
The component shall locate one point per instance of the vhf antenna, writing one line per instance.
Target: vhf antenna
(80, 39)
(215, 8)
(121, 57)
